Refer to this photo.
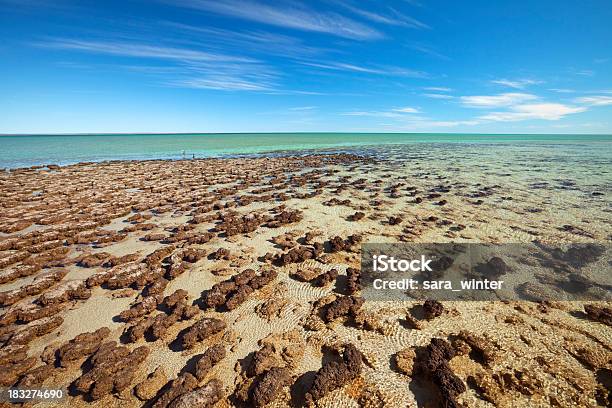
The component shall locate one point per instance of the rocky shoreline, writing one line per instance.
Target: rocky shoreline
(235, 282)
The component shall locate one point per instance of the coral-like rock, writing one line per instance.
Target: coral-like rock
(150, 386)
(202, 330)
(336, 374)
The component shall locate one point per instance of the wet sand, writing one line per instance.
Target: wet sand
(221, 271)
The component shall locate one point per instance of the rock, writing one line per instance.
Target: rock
(434, 365)
(600, 314)
(306, 274)
(122, 276)
(481, 350)
(270, 386)
(404, 360)
(65, 291)
(263, 360)
(395, 220)
(432, 309)
(83, 345)
(284, 218)
(343, 306)
(35, 330)
(181, 385)
(36, 376)
(337, 244)
(10, 372)
(38, 285)
(93, 260)
(208, 360)
(146, 306)
(353, 284)
(202, 330)
(493, 268)
(326, 278)
(113, 369)
(356, 216)
(335, 374)
(203, 397)
(149, 387)
(233, 292)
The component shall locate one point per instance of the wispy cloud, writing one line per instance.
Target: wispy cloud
(295, 16)
(406, 109)
(302, 108)
(402, 112)
(437, 89)
(128, 49)
(562, 90)
(596, 100)
(585, 72)
(224, 83)
(437, 96)
(517, 83)
(544, 111)
(396, 19)
(248, 41)
(427, 50)
(493, 101)
(184, 67)
(391, 71)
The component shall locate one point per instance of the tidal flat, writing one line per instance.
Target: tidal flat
(235, 281)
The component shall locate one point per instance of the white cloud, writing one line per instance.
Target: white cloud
(391, 71)
(189, 68)
(295, 16)
(437, 96)
(428, 51)
(494, 101)
(596, 100)
(585, 72)
(248, 41)
(437, 88)
(398, 19)
(140, 50)
(544, 111)
(302, 108)
(562, 90)
(406, 109)
(380, 114)
(449, 123)
(221, 83)
(397, 113)
(518, 83)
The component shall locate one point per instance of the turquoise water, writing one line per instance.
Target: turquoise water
(25, 151)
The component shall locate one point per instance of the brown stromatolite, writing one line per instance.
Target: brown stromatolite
(149, 387)
(179, 386)
(336, 374)
(113, 369)
(203, 397)
(270, 385)
(342, 306)
(202, 330)
(83, 345)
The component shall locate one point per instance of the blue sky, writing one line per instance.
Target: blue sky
(253, 66)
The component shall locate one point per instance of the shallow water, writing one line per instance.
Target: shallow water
(25, 151)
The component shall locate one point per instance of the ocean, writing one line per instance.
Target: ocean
(25, 151)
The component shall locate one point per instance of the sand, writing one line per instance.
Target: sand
(537, 354)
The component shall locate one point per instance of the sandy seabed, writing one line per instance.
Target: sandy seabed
(235, 282)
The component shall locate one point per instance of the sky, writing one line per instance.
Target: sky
(313, 66)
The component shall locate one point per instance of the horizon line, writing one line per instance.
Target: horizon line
(289, 132)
